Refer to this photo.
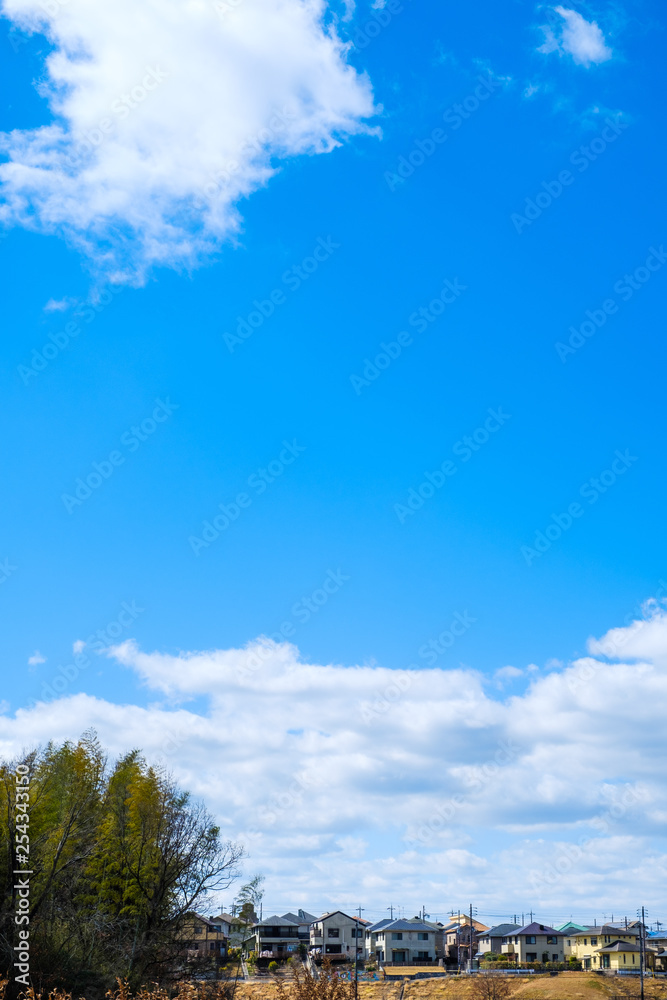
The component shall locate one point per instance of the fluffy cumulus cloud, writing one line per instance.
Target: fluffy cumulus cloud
(166, 113)
(571, 34)
(350, 783)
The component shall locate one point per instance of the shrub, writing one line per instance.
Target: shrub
(273, 966)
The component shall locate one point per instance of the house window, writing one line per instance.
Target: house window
(197, 930)
(211, 946)
(531, 956)
(594, 940)
(633, 959)
(333, 949)
(422, 936)
(624, 960)
(357, 932)
(333, 932)
(530, 939)
(422, 954)
(554, 958)
(569, 944)
(397, 936)
(552, 940)
(585, 941)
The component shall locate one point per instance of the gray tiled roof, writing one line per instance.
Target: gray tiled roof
(500, 930)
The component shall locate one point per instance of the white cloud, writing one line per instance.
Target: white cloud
(36, 658)
(161, 128)
(58, 305)
(78, 646)
(579, 38)
(414, 783)
(506, 674)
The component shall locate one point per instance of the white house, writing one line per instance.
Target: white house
(402, 942)
(338, 937)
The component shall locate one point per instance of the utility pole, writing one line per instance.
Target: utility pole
(391, 911)
(642, 953)
(356, 952)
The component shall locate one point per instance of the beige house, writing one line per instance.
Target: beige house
(534, 943)
(204, 937)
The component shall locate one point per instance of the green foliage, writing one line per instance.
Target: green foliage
(119, 857)
(273, 966)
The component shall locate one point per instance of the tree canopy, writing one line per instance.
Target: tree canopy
(119, 856)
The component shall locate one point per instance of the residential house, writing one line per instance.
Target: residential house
(437, 931)
(584, 945)
(401, 942)
(303, 920)
(534, 943)
(623, 956)
(457, 939)
(374, 939)
(338, 937)
(571, 927)
(205, 937)
(490, 941)
(273, 938)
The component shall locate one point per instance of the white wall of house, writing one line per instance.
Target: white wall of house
(335, 934)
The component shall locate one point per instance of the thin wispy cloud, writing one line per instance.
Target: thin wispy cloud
(583, 40)
(36, 659)
(159, 132)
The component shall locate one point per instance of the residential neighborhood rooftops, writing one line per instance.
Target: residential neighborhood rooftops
(606, 930)
(408, 925)
(380, 924)
(500, 930)
(302, 917)
(275, 921)
(536, 928)
(620, 946)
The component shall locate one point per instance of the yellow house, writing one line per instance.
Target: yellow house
(621, 955)
(586, 946)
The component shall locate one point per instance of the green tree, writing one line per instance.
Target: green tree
(119, 857)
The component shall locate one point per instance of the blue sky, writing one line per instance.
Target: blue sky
(574, 89)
